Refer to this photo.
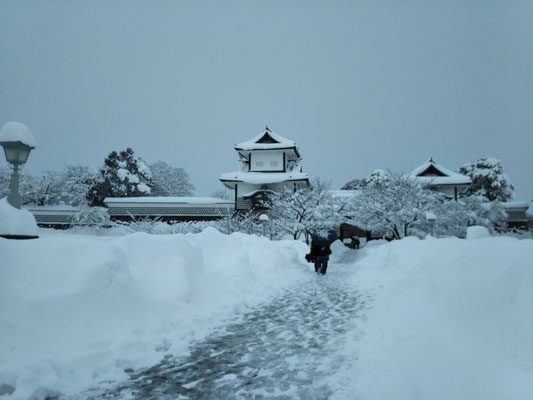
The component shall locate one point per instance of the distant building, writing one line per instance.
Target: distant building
(269, 162)
(519, 215)
(438, 178)
(179, 209)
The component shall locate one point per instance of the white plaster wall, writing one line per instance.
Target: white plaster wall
(267, 161)
(245, 188)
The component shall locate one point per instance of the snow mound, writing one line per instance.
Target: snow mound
(16, 222)
(477, 232)
(82, 309)
(449, 319)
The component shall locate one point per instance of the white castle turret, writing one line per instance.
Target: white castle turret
(269, 162)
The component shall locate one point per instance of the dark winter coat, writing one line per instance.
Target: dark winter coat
(319, 250)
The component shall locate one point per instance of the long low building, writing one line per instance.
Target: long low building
(169, 208)
(131, 208)
(59, 216)
(519, 214)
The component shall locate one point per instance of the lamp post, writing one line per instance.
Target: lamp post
(264, 221)
(17, 141)
(16, 223)
(431, 218)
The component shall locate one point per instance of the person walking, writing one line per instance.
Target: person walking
(320, 253)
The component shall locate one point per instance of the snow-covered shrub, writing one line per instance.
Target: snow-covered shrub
(37, 191)
(76, 181)
(123, 175)
(301, 211)
(488, 180)
(240, 222)
(454, 217)
(5, 178)
(68, 186)
(170, 181)
(44, 189)
(391, 203)
(158, 227)
(91, 216)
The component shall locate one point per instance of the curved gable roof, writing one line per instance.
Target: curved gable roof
(433, 173)
(266, 140)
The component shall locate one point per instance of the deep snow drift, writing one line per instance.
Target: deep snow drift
(16, 222)
(451, 319)
(76, 310)
(447, 319)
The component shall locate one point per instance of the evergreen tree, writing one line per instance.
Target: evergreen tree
(377, 176)
(488, 180)
(355, 184)
(123, 175)
(170, 181)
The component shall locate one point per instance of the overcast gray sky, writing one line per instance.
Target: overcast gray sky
(357, 84)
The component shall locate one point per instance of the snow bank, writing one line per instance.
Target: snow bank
(16, 222)
(77, 310)
(477, 232)
(450, 319)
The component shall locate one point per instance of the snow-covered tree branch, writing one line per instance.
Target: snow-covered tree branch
(170, 181)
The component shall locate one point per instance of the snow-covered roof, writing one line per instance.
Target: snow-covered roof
(435, 174)
(266, 140)
(17, 132)
(261, 178)
(174, 200)
(51, 208)
(515, 204)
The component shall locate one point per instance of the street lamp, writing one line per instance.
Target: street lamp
(17, 141)
(431, 218)
(264, 221)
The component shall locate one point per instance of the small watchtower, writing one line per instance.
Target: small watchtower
(269, 162)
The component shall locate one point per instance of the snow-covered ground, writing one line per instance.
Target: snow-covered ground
(76, 310)
(136, 314)
(451, 319)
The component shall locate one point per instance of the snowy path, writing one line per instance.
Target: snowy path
(285, 348)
